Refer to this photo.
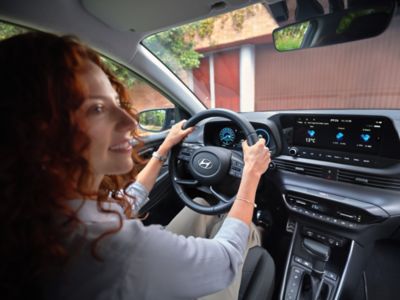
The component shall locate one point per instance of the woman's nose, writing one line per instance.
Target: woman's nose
(126, 121)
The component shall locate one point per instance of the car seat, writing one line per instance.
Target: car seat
(258, 275)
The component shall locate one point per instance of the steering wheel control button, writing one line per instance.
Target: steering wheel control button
(236, 169)
(185, 153)
(237, 166)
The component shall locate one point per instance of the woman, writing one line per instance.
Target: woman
(67, 230)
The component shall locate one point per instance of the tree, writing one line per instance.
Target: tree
(122, 73)
(181, 54)
(8, 30)
(175, 47)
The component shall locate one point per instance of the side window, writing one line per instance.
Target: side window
(156, 112)
(8, 30)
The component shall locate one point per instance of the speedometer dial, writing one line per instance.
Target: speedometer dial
(262, 133)
(227, 136)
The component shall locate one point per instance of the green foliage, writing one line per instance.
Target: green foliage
(205, 27)
(346, 21)
(152, 120)
(122, 73)
(8, 30)
(239, 16)
(290, 37)
(238, 20)
(175, 48)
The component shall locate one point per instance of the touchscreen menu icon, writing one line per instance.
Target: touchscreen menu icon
(339, 136)
(311, 133)
(310, 138)
(365, 137)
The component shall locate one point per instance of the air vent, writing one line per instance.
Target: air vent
(376, 181)
(300, 168)
(382, 182)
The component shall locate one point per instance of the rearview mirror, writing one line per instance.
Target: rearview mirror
(339, 27)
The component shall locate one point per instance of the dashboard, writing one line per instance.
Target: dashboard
(334, 178)
(346, 165)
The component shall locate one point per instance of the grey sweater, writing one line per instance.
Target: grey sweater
(147, 262)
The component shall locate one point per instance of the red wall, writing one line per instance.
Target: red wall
(227, 79)
(362, 74)
(201, 76)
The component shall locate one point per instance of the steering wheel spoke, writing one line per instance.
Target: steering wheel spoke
(187, 182)
(204, 189)
(220, 197)
(186, 151)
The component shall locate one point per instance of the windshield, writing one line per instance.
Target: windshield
(229, 61)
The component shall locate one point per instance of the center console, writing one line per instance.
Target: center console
(308, 274)
(340, 185)
(330, 224)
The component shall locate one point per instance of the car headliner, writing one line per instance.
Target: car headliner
(115, 28)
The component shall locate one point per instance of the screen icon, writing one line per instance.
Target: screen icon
(365, 137)
(340, 136)
(311, 133)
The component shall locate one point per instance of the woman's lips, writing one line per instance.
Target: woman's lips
(121, 147)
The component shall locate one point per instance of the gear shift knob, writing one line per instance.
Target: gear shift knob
(320, 254)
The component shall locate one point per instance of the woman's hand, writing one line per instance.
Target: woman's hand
(256, 158)
(175, 136)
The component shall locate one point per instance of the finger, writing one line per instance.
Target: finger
(187, 131)
(182, 127)
(245, 146)
(182, 124)
(261, 141)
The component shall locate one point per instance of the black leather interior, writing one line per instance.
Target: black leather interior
(258, 275)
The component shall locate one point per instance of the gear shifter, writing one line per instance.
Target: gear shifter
(320, 255)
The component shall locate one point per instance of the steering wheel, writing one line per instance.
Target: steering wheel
(208, 165)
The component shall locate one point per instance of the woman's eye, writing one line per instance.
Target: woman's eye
(99, 108)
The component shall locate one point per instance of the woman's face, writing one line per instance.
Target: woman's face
(107, 125)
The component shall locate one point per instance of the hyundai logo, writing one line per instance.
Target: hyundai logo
(205, 164)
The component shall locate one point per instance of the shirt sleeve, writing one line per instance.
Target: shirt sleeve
(139, 193)
(177, 267)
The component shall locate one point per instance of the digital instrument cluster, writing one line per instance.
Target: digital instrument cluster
(224, 134)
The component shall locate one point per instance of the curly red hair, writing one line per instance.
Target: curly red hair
(41, 151)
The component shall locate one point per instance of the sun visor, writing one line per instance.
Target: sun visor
(153, 15)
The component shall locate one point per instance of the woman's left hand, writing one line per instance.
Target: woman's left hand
(176, 135)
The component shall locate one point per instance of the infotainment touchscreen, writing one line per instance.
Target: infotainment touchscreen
(350, 134)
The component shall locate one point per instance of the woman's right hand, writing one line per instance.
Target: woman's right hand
(176, 135)
(256, 158)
